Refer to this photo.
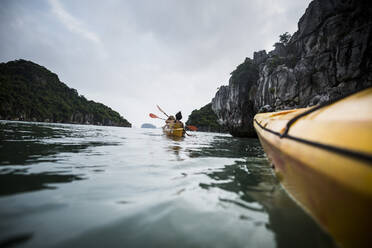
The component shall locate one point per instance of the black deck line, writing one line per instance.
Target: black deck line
(342, 151)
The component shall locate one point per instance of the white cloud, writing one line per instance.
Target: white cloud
(71, 23)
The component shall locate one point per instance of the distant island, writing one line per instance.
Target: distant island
(147, 125)
(205, 120)
(30, 92)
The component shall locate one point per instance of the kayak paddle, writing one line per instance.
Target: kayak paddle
(192, 128)
(162, 110)
(155, 116)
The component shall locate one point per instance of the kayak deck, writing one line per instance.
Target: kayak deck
(174, 132)
(325, 163)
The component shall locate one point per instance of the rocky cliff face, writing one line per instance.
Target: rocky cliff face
(233, 104)
(329, 56)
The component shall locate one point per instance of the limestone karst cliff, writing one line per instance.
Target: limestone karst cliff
(329, 56)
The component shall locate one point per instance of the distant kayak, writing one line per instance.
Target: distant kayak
(173, 127)
(323, 157)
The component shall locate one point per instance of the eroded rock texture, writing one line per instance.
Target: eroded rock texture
(329, 56)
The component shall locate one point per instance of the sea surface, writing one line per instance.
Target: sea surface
(91, 186)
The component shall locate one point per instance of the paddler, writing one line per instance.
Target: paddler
(175, 123)
(178, 123)
(170, 121)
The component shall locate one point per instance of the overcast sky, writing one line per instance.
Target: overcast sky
(134, 54)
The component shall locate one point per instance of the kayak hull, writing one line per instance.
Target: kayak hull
(174, 132)
(338, 209)
(334, 188)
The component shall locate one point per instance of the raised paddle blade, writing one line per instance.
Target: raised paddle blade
(192, 128)
(162, 110)
(155, 116)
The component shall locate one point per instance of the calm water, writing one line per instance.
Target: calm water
(89, 186)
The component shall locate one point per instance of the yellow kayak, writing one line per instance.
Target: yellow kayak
(323, 158)
(174, 132)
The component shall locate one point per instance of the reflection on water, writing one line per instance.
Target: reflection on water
(252, 181)
(176, 151)
(257, 185)
(13, 183)
(11, 242)
(120, 187)
(23, 144)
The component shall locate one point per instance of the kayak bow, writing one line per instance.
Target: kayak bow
(323, 158)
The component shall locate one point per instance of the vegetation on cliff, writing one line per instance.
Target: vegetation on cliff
(31, 92)
(245, 72)
(205, 120)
